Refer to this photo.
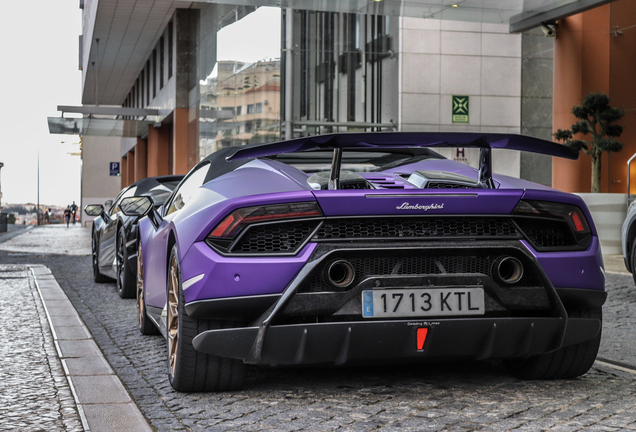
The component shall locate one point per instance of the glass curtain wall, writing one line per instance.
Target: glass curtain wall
(344, 73)
(344, 69)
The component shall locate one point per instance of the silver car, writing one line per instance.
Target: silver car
(628, 235)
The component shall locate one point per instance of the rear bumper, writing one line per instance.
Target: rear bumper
(326, 327)
(341, 343)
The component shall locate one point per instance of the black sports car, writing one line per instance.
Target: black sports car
(114, 235)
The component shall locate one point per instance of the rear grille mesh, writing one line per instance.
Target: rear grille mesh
(279, 237)
(417, 228)
(544, 233)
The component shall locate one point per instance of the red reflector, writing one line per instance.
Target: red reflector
(577, 222)
(421, 337)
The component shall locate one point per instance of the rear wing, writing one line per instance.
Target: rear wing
(387, 140)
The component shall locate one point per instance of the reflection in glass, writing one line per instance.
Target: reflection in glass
(241, 104)
(240, 100)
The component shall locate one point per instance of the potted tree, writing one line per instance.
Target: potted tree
(596, 119)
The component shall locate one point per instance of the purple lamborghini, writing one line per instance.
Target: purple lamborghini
(368, 247)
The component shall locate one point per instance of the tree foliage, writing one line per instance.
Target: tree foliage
(595, 118)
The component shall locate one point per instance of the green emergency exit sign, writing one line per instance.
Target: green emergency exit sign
(460, 109)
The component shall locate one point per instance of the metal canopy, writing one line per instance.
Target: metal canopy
(108, 110)
(540, 11)
(98, 127)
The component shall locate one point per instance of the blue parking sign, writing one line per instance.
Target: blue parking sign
(114, 168)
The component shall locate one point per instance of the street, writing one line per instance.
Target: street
(477, 396)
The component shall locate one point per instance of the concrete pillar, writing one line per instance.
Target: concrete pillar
(189, 51)
(130, 175)
(141, 159)
(158, 151)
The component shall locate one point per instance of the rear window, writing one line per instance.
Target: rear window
(356, 161)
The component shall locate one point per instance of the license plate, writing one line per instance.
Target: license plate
(421, 302)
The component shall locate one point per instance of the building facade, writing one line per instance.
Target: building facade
(179, 93)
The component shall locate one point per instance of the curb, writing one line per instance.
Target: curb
(102, 400)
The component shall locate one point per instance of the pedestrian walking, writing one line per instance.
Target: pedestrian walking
(73, 211)
(67, 215)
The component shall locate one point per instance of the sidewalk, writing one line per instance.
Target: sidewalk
(615, 264)
(57, 378)
(48, 239)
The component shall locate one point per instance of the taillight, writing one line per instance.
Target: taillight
(235, 221)
(546, 232)
(569, 213)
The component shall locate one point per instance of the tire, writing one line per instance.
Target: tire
(565, 363)
(97, 276)
(633, 259)
(125, 282)
(146, 326)
(188, 369)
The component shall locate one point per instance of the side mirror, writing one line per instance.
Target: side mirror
(94, 209)
(136, 206)
(108, 203)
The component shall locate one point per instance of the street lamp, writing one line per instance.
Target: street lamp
(37, 211)
(1, 165)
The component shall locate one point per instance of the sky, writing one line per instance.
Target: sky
(39, 51)
(230, 40)
(266, 45)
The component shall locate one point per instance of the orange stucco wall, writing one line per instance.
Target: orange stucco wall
(623, 90)
(180, 141)
(123, 172)
(141, 159)
(158, 151)
(587, 58)
(130, 166)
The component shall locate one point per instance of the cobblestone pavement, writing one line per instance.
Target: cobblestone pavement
(34, 392)
(431, 397)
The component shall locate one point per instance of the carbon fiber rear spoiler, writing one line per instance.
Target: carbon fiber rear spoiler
(378, 140)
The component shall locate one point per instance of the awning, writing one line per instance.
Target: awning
(98, 127)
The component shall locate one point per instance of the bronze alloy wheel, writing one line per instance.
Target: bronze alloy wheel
(188, 369)
(141, 312)
(173, 313)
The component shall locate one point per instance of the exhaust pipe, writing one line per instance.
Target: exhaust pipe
(507, 270)
(339, 274)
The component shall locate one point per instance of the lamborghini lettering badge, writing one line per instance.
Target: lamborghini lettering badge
(407, 206)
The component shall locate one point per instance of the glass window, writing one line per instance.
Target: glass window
(187, 189)
(161, 65)
(250, 109)
(258, 108)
